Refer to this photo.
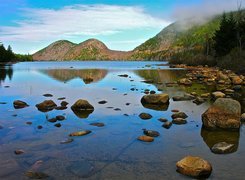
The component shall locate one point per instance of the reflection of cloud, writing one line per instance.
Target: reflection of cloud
(77, 20)
(206, 9)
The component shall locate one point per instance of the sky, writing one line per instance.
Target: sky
(30, 25)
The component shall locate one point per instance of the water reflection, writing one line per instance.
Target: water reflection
(213, 137)
(87, 75)
(6, 71)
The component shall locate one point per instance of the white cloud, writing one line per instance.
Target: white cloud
(206, 8)
(78, 20)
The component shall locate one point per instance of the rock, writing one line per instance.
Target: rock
(151, 133)
(48, 95)
(237, 88)
(186, 97)
(20, 104)
(179, 115)
(46, 106)
(229, 91)
(152, 92)
(117, 109)
(185, 81)
(82, 105)
(82, 108)
(66, 141)
(162, 120)
(18, 152)
(199, 101)
(102, 102)
(58, 125)
(52, 120)
(61, 108)
(179, 121)
(60, 118)
(36, 175)
(236, 80)
(123, 75)
(61, 98)
(167, 125)
(3, 103)
(64, 103)
(224, 113)
(205, 95)
(174, 110)
(145, 116)
(222, 148)
(127, 104)
(158, 99)
(80, 133)
(243, 117)
(29, 123)
(97, 124)
(146, 138)
(195, 167)
(218, 94)
(39, 127)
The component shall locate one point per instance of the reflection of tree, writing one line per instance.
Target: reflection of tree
(87, 75)
(5, 71)
(213, 137)
(161, 76)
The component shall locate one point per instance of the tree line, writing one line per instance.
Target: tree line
(7, 55)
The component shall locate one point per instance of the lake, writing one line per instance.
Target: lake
(112, 151)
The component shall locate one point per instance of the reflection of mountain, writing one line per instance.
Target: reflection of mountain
(87, 75)
(5, 71)
(213, 137)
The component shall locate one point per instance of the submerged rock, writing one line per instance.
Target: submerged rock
(146, 138)
(36, 175)
(145, 116)
(211, 138)
(186, 97)
(97, 124)
(151, 133)
(67, 141)
(224, 113)
(223, 148)
(82, 108)
(185, 81)
(20, 104)
(46, 106)
(194, 167)
(80, 133)
(19, 151)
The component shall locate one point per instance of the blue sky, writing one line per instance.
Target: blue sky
(29, 25)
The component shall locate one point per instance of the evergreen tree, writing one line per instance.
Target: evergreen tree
(225, 37)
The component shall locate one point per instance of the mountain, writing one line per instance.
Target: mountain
(55, 51)
(91, 49)
(177, 37)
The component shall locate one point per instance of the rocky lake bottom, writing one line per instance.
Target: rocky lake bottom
(41, 143)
